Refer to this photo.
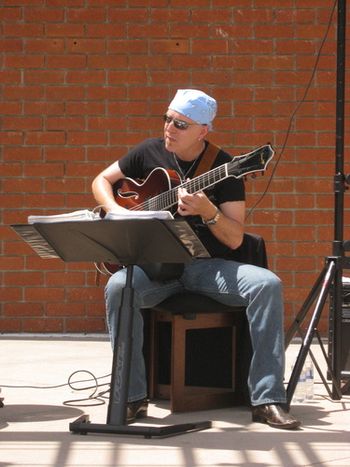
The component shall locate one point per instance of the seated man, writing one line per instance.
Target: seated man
(217, 216)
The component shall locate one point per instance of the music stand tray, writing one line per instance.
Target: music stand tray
(129, 242)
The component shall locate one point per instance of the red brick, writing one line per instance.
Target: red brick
(85, 45)
(86, 294)
(65, 309)
(65, 185)
(42, 325)
(65, 30)
(44, 200)
(10, 325)
(106, 30)
(11, 137)
(62, 154)
(39, 45)
(65, 123)
(28, 61)
(24, 123)
(107, 123)
(10, 76)
(23, 278)
(86, 137)
(88, 326)
(125, 15)
(49, 294)
(23, 309)
(103, 92)
(65, 279)
(46, 77)
(23, 92)
(66, 61)
(45, 137)
(23, 29)
(10, 13)
(135, 46)
(170, 46)
(44, 170)
(10, 108)
(112, 61)
(10, 294)
(81, 201)
(43, 14)
(86, 15)
(22, 153)
(43, 108)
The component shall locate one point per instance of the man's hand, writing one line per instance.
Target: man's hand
(197, 204)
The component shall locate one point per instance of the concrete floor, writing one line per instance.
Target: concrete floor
(34, 422)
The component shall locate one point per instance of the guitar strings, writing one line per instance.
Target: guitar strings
(169, 198)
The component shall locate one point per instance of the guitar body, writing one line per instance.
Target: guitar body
(131, 194)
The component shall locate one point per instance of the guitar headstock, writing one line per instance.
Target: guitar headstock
(252, 162)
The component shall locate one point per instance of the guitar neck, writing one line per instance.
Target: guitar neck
(239, 166)
(169, 198)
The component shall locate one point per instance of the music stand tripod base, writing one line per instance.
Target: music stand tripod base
(82, 426)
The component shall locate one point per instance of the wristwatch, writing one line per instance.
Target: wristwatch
(213, 220)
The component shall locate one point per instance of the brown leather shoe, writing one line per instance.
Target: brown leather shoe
(136, 409)
(275, 416)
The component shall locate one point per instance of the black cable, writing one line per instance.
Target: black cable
(98, 397)
(296, 110)
(11, 386)
(86, 401)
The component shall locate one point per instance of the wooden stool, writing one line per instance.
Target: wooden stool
(182, 330)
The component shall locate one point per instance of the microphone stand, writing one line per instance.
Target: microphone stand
(329, 281)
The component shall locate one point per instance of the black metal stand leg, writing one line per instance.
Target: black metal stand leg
(322, 286)
(295, 327)
(116, 417)
(122, 356)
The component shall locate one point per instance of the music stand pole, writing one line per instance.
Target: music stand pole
(122, 347)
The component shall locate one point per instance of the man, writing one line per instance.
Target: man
(217, 216)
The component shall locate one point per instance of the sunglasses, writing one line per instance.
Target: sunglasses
(179, 124)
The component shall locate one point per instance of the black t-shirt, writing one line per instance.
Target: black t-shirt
(151, 153)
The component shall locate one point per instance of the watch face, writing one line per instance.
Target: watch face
(213, 220)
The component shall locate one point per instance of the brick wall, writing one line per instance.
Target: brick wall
(83, 80)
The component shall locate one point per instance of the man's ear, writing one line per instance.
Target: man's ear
(204, 132)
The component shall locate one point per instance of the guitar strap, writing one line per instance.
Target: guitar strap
(208, 159)
(168, 271)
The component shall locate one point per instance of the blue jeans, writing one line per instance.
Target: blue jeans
(227, 282)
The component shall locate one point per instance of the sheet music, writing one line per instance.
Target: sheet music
(116, 215)
(80, 215)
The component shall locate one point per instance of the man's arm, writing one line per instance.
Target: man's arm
(102, 187)
(229, 226)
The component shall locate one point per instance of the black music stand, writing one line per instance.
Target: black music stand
(129, 242)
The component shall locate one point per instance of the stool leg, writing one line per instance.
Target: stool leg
(153, 353)
(178, 363)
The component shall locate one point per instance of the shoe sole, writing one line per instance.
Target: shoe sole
(142, 413)
(289, 426)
